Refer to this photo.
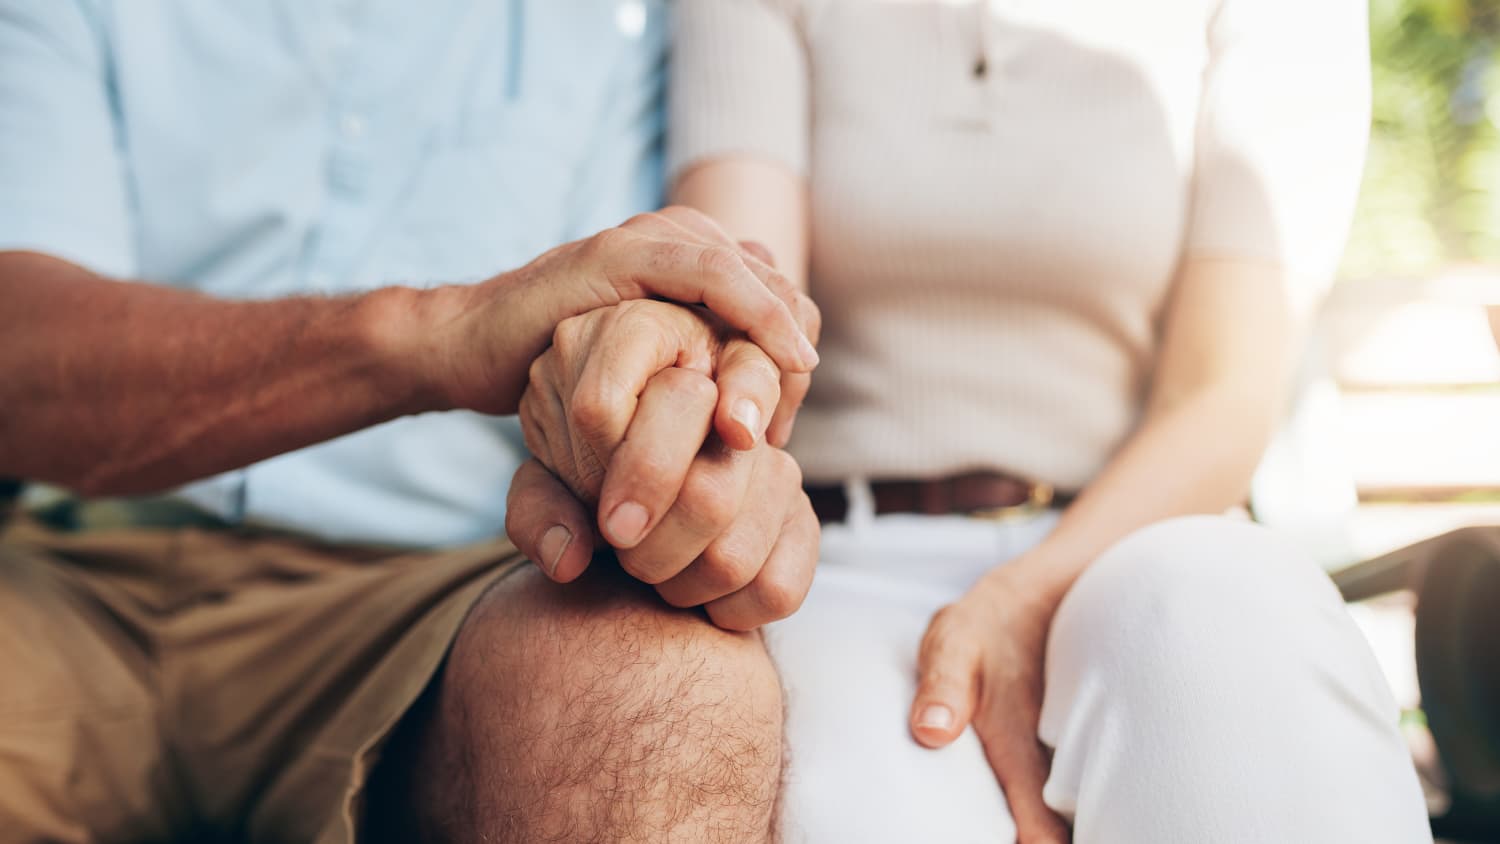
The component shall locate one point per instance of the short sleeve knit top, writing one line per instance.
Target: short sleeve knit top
(1002, 192)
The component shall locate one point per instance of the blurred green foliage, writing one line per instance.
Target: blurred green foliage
(1431, 193)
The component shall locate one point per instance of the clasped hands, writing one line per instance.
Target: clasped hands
(657, 428)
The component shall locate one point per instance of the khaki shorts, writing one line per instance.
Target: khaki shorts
(211, 684)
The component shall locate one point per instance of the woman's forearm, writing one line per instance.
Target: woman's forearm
(1217, 393)
(754, 200)
(1195, 457)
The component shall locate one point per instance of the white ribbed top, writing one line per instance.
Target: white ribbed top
(991, 253)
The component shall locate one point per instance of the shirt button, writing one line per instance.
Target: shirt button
(630, 18)
(352, 125)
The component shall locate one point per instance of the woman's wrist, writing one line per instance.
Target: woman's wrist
(1041, 574)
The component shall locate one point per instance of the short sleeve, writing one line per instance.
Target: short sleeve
(739, 84)
(62, 191)
(1282, 131)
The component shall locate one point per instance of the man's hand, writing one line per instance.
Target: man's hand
(493, 330)
(623, 408)
(174, 385)
(981, 662)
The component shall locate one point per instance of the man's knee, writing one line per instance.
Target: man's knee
(594, 712)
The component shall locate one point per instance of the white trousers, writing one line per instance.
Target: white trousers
(1204, 685)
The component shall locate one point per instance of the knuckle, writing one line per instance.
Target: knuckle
(669, 255)
(687, 214)
(568, 336)
(759, 251)
(607, 243)
(707, 581)
(642, 220)
(725, 617)
(755, 365)
(786, 467)
(538, 373)
(720, 262)
(728, 567)
(639, 566)
(675, 594)
(706, 502)
(674, 598)
(637, 316)
(592, 409)
(689, 388)
(647, 472)
(778, 281)
(530, 416)
(779, 593)
(812, 316)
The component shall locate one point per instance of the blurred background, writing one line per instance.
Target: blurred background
(1395, 433)
(1396, 430)
(1430, 198)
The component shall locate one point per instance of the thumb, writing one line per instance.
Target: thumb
(749, 392)
(947, 684)
(548, 524)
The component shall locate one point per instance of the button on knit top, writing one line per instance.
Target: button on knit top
(1002, 192)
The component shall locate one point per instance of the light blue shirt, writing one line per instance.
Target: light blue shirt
(259, 148)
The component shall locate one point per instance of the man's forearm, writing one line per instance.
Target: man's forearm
(111, 387)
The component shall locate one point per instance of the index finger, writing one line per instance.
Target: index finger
(755, 254)
(648, 467)
(675, 219)
(757, 257)
(720, 277)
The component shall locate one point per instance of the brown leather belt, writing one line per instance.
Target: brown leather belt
(983, 495)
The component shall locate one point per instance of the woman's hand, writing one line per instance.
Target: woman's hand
(631, 412)
(981, 663)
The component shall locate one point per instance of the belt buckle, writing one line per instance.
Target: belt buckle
(1038, 501)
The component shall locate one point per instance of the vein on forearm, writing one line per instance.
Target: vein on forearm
(115, 387)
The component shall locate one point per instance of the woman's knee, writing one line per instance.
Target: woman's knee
(1206, 658)
(1197, 596)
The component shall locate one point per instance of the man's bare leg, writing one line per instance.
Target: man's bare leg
(589, 712)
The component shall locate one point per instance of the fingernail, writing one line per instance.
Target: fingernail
(806, 350)
(554, 543)
(626, 523)
(745, 412)
(935, 717)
